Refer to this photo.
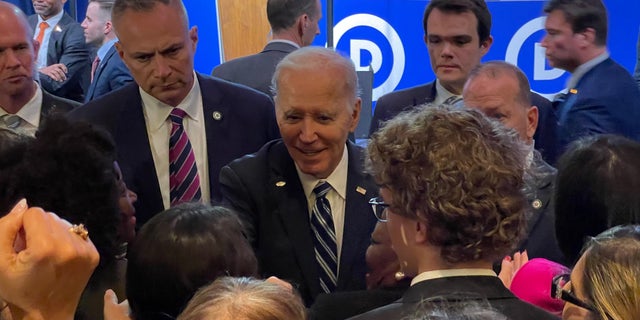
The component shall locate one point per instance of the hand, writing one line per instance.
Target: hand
(280, 282)
(43, 266)
(114, 310)
(57, 72)
(511, 266)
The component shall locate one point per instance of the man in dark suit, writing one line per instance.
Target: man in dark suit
(452, 203)
(108, 72)
(171, 110)
(63, 57)
(23, 104)
(602, 96)
(636, 73)
(501, 91)
(457, 35)
(294, 24)
(315, 239)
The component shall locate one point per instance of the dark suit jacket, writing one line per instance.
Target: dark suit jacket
(605, 100)
(540, 240)
(342, 305)
(393, 103)
(247, 122)
(256, 70)
(110, 75)
(52, 105)
(264, 188)
(491, 288)
(67, 46)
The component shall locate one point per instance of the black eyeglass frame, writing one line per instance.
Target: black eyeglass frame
(379, 208)
(557, 292)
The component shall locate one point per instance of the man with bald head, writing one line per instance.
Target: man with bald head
(174, 128)
(305, 197)
(501, 91)
(23, 104)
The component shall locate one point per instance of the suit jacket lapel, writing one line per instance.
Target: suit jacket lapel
(134, 153)
(293, 211)
(101, 67)
(358, 216)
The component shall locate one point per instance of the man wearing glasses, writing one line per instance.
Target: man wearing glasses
(305, 197)
(451, 185)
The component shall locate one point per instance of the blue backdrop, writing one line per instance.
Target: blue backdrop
(388, 35)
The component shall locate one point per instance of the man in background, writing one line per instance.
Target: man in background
(108, 72)
(294, 24)
(602, 96)
(63, 56)
(23, 104)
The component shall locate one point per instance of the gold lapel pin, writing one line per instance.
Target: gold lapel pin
(361, 190)
(536, 204)
(217, 115)
(280, 184)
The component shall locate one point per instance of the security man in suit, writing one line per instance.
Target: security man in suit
(305, 197)
(23, 104)
(174, 128)
(108, 72)
(294, 24)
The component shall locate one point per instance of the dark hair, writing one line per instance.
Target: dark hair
(180, 250)
(477, 7)
(583, 14)
(596, 188)
(282, 14)
(494, 69)
(68, 169)
(460, 172)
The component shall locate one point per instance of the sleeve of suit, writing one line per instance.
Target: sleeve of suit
(120, 76)
(75, 57)
(236, 196)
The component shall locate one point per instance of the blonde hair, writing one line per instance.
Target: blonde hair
(244, 299)
(611, 272)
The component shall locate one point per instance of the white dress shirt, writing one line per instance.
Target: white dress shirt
(337, 195)
(29, 114)
(156, 116)
(41, 62)
(435, 274)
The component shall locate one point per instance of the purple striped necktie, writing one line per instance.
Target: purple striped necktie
(184, 182)
(324, 239)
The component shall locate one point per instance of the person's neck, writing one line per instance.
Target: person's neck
(453, 88)
(589, 55)
(289, 35)
(13, 103)
(45, 18)
(431, 260)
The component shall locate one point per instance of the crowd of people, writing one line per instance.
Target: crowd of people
(171, 194)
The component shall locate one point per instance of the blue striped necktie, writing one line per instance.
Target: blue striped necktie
(324, 239)
(184, 183)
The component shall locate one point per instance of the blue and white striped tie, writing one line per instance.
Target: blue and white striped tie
(324, 241)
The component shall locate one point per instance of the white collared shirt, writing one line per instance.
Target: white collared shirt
(442, 94)
(41, 62)
(29, 114)
(435, 274)
(337, 195)
(105, 48)
(285, 41)
(156, 116)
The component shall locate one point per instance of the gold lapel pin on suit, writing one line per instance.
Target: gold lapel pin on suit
(361, 190)
(280, 184)
(217, 115)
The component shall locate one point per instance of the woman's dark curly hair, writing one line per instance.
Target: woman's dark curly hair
(459, 172)
(68, 169)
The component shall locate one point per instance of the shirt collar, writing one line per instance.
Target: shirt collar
(584, 68)
(105, 48)
(435, 274)
(442, 93)
(337, 179)
(53, 20)
(286, 41)
(158, 111)
(30, 112)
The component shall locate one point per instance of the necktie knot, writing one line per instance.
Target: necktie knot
(321, 189)
(11, 121)
(177, 115)
(453, 101)
(43, 25)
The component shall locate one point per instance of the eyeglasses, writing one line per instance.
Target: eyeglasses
(557, 292)
(379, 208)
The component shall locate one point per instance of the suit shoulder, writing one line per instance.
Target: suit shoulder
(406, 97)
(260, 158)
(106, 106)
